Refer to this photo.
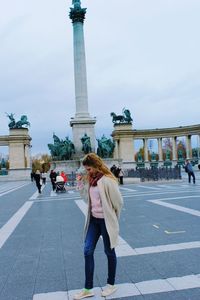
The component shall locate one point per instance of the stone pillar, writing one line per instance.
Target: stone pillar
(82, 123)
(188, 147)
(19, 142)
(116, 149)
(145, 143)
(122, 135)
(133, 150)
(160, 152)
(174, 149)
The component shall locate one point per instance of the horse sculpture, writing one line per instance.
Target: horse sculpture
(122, 119)
(19, 124)
(105, 147)
(61, 149)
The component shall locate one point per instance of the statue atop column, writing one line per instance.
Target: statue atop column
(77, 14)
(19, 124)
(76, 3)
(125, 118)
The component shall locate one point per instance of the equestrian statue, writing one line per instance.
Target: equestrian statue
(19, 124)
(61, 149)
(105, 147)
(125, 118)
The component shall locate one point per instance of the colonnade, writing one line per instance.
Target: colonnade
(19, 145)
(125, 137)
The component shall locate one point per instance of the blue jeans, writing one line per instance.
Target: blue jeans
(96, 228)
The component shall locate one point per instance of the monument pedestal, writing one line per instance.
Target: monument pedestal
(80, 126)
(123, 137)
(19, 153)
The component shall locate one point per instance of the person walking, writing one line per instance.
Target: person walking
(44, 177)
(37, 177)
(53, 179)
(189, 170)
(121, 176)
(100, 187)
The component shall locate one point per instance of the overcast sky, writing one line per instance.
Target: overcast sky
(141, 54)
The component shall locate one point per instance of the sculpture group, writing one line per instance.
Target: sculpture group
(61, 149)
(125, 118)
(19, 124)
(64, 149)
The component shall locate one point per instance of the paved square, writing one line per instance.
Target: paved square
(41, 243)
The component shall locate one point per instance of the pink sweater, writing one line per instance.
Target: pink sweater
(96, 204)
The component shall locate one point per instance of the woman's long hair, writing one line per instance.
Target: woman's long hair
(93, 160)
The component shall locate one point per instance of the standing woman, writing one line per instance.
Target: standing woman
(100, 187)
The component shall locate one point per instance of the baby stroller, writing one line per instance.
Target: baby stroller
(60, 187)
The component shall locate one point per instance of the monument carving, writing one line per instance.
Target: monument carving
(61, 149)
(125, 118)
(105, 147)
(86, 144)
(19, 124)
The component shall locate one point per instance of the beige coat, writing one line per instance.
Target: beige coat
(111, 202)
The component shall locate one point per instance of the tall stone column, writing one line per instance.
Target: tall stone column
(82, 122)
(174, 149)
(145, 142)
(160, 152)
(133, 150)
(188, 147)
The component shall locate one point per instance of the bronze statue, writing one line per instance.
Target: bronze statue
(122, 119)
(105, 147)
(180, 154)
(61, 149)
(139, 157)
(86, 144)
(167, 154)
(153, 156)
(19, 124)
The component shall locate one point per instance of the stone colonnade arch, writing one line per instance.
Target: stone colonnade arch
(19, 145)
(124, 137)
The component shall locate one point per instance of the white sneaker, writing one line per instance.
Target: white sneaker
(83, 294)
(108, 290)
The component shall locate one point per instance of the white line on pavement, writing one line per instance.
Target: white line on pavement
(177, 207)
(133, 289)
(14, 189)
(149, 187)
(10, 226)
(124, 249)
(126, 189)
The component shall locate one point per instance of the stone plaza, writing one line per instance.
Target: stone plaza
(41, 243)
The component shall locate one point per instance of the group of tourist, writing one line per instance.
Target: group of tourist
(55, 177)
(118, 173)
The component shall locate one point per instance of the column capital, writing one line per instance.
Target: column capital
(77, 14)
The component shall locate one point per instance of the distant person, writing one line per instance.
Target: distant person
(44, 177)
(32, 176)
(189, 170)
(101, 190)
(121, 176)
(59, 178)
(53, 179)
(37, 177)
(64, 176)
